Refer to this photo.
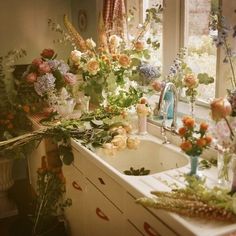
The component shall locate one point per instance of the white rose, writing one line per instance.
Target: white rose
(114, 40)
(90, 43)
(133, 143)
(75, 56)
(93, 66)
(109, 149)
(119, 130)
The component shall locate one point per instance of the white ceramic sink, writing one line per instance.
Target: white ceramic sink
(150, 154)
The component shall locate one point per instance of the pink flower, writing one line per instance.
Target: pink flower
(37, 61)
(220, 108)
(48, 53)
(44, 68)
(31, 77)
(70, 78)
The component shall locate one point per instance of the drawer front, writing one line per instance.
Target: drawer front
(102, 217)
(75, 190)
(106, 184)
(147, 223)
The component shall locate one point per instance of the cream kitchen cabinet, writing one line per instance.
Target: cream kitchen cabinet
(92, 211)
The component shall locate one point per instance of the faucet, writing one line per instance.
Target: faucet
(162, 109)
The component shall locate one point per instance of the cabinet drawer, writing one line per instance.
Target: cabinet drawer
(145, 221)
(79, 160)
(102, 217)
(106, 184)
(75, 190)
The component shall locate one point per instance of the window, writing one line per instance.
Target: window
(202, 53)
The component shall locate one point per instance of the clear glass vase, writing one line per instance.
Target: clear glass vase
(224, 161)
(192, 102)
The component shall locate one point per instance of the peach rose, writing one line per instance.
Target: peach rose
(124, 60)
(191, 81)
(220, 108)
(109, 149)
(139, 46)
(208, 139)
(157, 85)
(114, 40)
(31, 77)
(93, 67)
(143, 100)
(133, 143)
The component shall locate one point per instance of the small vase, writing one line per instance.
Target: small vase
(224, 168)
(194, 166)
(142, 124)
(192, 101)
(170, 100)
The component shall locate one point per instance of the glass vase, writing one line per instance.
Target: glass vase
(224, 168)
(194, 166)
(192, 101)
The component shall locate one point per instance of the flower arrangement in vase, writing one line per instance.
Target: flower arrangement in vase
(116, 62)
(223, 109)
(194, 141)
(43, 81)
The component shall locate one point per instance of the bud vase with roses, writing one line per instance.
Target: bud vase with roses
(194, 141)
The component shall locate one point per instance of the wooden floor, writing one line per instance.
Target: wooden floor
(21, 194)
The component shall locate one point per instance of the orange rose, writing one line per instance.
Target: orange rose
(201, 142)
(203, 127)
(188, 122)
(124, 60)
(190, 81)
(220, 108)
(208, 139)
(186, 146)
(143, 100)
(26, 108)
(182, 131)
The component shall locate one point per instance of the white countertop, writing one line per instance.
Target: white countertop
(140, 186)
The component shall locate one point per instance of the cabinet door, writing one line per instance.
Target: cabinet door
(144, 220)
(103, 218)
(76, 191)
(131, 230)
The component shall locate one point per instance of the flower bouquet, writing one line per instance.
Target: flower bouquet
(43, 81)
(194, 141)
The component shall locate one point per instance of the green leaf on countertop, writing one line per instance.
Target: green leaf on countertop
(137, 172)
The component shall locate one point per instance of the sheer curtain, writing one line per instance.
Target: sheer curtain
(114, 17)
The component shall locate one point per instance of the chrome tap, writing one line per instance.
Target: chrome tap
(162, 109)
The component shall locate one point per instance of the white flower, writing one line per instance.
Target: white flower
(90, 43)
(119, 141)
(75, 56)
(114, 40)
(93, 66)
(109, 149)
(119, 130)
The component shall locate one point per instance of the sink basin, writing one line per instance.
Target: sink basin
(151, 155)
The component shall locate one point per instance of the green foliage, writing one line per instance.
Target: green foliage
(137, 172)
(125, 99)
(204, 78)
